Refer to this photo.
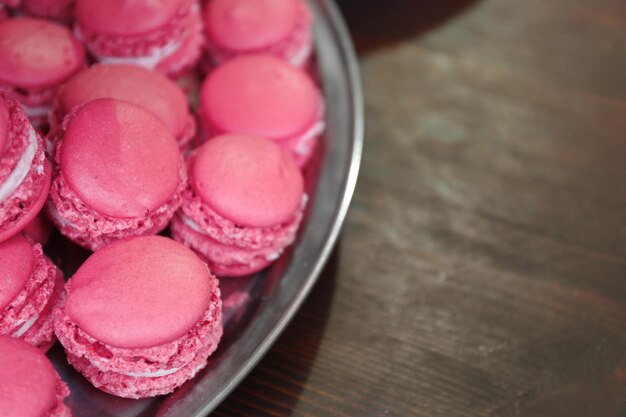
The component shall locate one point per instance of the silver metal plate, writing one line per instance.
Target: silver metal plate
(258, 308)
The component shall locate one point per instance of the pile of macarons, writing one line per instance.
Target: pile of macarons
(169, 139)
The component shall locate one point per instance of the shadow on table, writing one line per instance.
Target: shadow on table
(376, 24)
(275, 385)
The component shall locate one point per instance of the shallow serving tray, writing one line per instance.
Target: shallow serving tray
(258, 308)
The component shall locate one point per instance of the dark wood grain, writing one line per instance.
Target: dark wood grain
(482, 270)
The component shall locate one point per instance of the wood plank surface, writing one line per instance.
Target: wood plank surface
(482, 269)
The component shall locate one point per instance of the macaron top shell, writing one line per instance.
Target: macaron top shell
(119, 159)
(249, 180)
(260, 95)
(145, 88)
(125, 17)
(139, 292)
(4, 125)
(36, 53)
(16, 260)
(250, 24)
(28, 381)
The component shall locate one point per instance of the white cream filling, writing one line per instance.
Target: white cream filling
(52, 211)
(26, 326)
(301, 56)
(19, 173)
(273, 256)
(304, 143)
(156, 374)
(146, 61)
(36, 111)
(150, 61)
(193, 225)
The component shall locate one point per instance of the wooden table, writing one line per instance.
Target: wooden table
(482, 269)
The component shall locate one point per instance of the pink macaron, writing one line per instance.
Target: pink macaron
(141, 317)
(148, 89)
(39, 229)
(165, 36)
(29, 385)
(36, 57)
(278, 27)
(62, 10)
(31, 288)
(243, 204)
(264, 96)
(24, 170)
(118, 172)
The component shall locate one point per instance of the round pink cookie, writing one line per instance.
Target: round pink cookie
(278, 27)
(262, 95)
(24, 171)
(27, 292)
(29, 385)
(36, 56)
(150, 90)
(141, 317)
(247, 180)
(142, 32)
(243, 205)
(119, 173)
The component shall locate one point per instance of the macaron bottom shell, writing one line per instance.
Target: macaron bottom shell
(223, 260)
(29, 316)
(41, 334)
(130, 386)
(23, 206)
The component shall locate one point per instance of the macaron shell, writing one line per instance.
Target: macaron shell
(17, 260)
(35, 207)
(140, 292)
(4, 126)
(260, 95)
(142, 387)
(119, 159)
(248, 180)
(137, 85)
(125, 17)
(39, 229)
(36, 53)
(250, 24)
(41, 334)
(223, 260)
(28, 382)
